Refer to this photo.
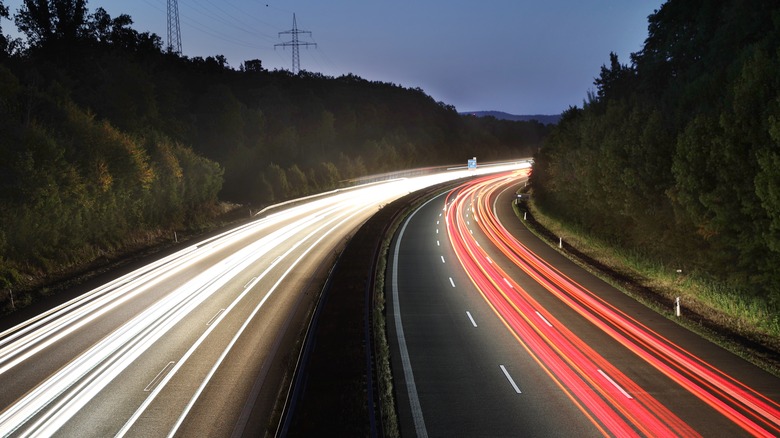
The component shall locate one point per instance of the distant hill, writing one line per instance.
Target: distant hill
(541, 118)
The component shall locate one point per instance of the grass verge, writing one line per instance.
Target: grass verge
(384, 371)
(745, 326)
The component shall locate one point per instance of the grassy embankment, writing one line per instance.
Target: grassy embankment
(747, 326)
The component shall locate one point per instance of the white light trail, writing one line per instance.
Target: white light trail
(44, 409)
(107, 359)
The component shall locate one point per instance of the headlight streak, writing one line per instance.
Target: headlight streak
(750, 410)
(109, 357)
(23, 341)
(50, 404)
(324, 226)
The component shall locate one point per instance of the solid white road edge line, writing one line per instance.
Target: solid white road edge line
(411, 388)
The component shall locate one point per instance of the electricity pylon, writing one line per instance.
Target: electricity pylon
(295, 44)
(174, 30)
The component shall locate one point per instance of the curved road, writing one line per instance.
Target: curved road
(492, 340)
(197, 343)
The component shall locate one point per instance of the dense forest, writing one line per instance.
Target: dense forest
(676, 155)
(106, 138)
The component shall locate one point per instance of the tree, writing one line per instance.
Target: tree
(689, 131)
(325, 133)
(9, 92)
(278, 180)
(48, 22)
(326, 175)
(298, 183)
(3, 41)
(220, 122)
(613, 82)
(111, 31)
(124, 94)
(252, 66)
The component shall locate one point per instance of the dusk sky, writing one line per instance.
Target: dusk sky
(517, 56)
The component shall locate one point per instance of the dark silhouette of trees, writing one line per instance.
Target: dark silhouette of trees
(252, 66)
(52, 22)
(3, 39)
(677, 155)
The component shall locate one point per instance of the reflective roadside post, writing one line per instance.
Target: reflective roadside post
(677, 300)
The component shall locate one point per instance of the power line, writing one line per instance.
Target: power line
(212, 32)
(322, 53)
(244, 13)
(174, 29)
(295, 44)
(216, 12)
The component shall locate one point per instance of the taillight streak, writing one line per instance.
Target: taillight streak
(567, 357)
(741, 404)
(703, 380)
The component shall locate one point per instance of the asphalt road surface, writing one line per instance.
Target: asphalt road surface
(488, 339)
(197, 343)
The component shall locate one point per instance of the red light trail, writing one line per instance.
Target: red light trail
(612, 401)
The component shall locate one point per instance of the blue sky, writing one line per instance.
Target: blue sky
(517, 56)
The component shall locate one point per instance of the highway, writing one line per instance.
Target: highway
(197, 343)
(495, 333)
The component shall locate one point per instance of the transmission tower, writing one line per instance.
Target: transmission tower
(174, 30)
(295, 44)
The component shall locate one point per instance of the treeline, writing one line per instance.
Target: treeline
(677, 154)
(73, 185)
(105, 136)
